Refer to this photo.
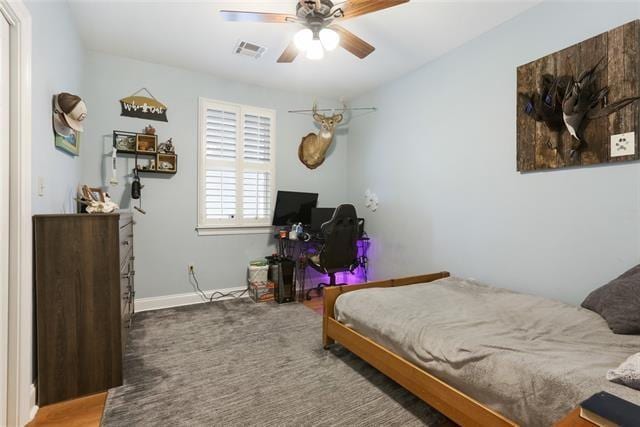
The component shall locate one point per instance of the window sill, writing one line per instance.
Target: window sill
(226, 231)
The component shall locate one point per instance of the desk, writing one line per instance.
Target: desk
(299, 250)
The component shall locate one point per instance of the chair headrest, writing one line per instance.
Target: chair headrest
(345, 211)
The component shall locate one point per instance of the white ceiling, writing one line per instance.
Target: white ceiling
(192, 35)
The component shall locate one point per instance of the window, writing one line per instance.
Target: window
(236, 168)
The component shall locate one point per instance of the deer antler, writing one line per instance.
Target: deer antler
(316, 116)
(339, 116)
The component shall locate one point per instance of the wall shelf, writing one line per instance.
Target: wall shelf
(139, 153)
(145, 146)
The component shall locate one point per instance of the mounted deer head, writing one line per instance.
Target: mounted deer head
(313, 147)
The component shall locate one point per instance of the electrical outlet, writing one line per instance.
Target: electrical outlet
(623, 144)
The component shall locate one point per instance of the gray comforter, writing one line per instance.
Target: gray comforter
(529, 358)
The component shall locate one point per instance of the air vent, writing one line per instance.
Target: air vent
(250, 49)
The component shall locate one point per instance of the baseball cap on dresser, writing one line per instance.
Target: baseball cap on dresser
(72, 108)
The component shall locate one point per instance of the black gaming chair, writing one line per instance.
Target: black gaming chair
(340, 249)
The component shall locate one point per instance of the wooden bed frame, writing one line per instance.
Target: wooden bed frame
(451, 402)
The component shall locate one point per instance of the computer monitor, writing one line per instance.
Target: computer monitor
(293, 207)
(319, 216)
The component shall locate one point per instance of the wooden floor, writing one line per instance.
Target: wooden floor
(314, 304)
(87, 411)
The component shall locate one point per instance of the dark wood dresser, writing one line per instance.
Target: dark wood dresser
(84, 290)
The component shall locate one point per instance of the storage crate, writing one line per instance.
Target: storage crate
(261, 291)
(258, 273)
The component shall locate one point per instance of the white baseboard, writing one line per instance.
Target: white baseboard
(176, 300)
(32, 402)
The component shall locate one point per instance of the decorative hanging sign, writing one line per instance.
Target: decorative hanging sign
(143, 107)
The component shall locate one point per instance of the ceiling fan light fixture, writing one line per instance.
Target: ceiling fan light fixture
(315, 50)
(303, 39)
(329, 38)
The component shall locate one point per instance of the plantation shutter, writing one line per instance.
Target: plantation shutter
(221, 134)
(256, 195)
(257, 138)
(220, 194)
(237, 149)
(256, 142)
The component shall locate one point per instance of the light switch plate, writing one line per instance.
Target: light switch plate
(40, 186)
(623, 144)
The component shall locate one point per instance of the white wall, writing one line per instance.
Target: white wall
(441, 154)
(450, 195)
(166, 240)
(57, 62)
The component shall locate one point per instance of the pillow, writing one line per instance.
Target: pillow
(628, 373)
(618, 302)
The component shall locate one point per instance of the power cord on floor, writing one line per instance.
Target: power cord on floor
(215, 295)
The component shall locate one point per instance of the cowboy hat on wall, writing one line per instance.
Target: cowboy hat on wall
(68, 113)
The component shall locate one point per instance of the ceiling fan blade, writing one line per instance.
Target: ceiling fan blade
(353, 8)
(289, 54)
(271, 18)
(353, 43)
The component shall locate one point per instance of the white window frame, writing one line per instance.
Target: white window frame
(237, 225)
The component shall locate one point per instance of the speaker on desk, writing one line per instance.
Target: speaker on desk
(281, 273)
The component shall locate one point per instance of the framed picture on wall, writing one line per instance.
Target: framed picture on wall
(69, 143)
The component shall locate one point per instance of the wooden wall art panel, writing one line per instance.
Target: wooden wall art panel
(579, 106)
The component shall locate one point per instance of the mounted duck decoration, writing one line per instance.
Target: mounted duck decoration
(579, 106)
(313, 147)
(143, 107)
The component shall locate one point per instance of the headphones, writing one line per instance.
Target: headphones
(135, 185)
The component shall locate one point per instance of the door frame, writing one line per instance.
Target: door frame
(4, 213)
(21, 393)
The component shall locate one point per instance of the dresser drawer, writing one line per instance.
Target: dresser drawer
(126, 304)
(126, 259)
(126, 232)
(127, 274)
(126, 285)
(126, 219)
(126, 236)
(126, 249)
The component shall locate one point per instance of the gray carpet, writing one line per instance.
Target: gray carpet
(239, 363)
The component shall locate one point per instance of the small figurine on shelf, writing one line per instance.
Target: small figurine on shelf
(166, 147)
(149, 130)
(148, 166)
(165, 166)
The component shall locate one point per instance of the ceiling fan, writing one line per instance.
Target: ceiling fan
(320, 32)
